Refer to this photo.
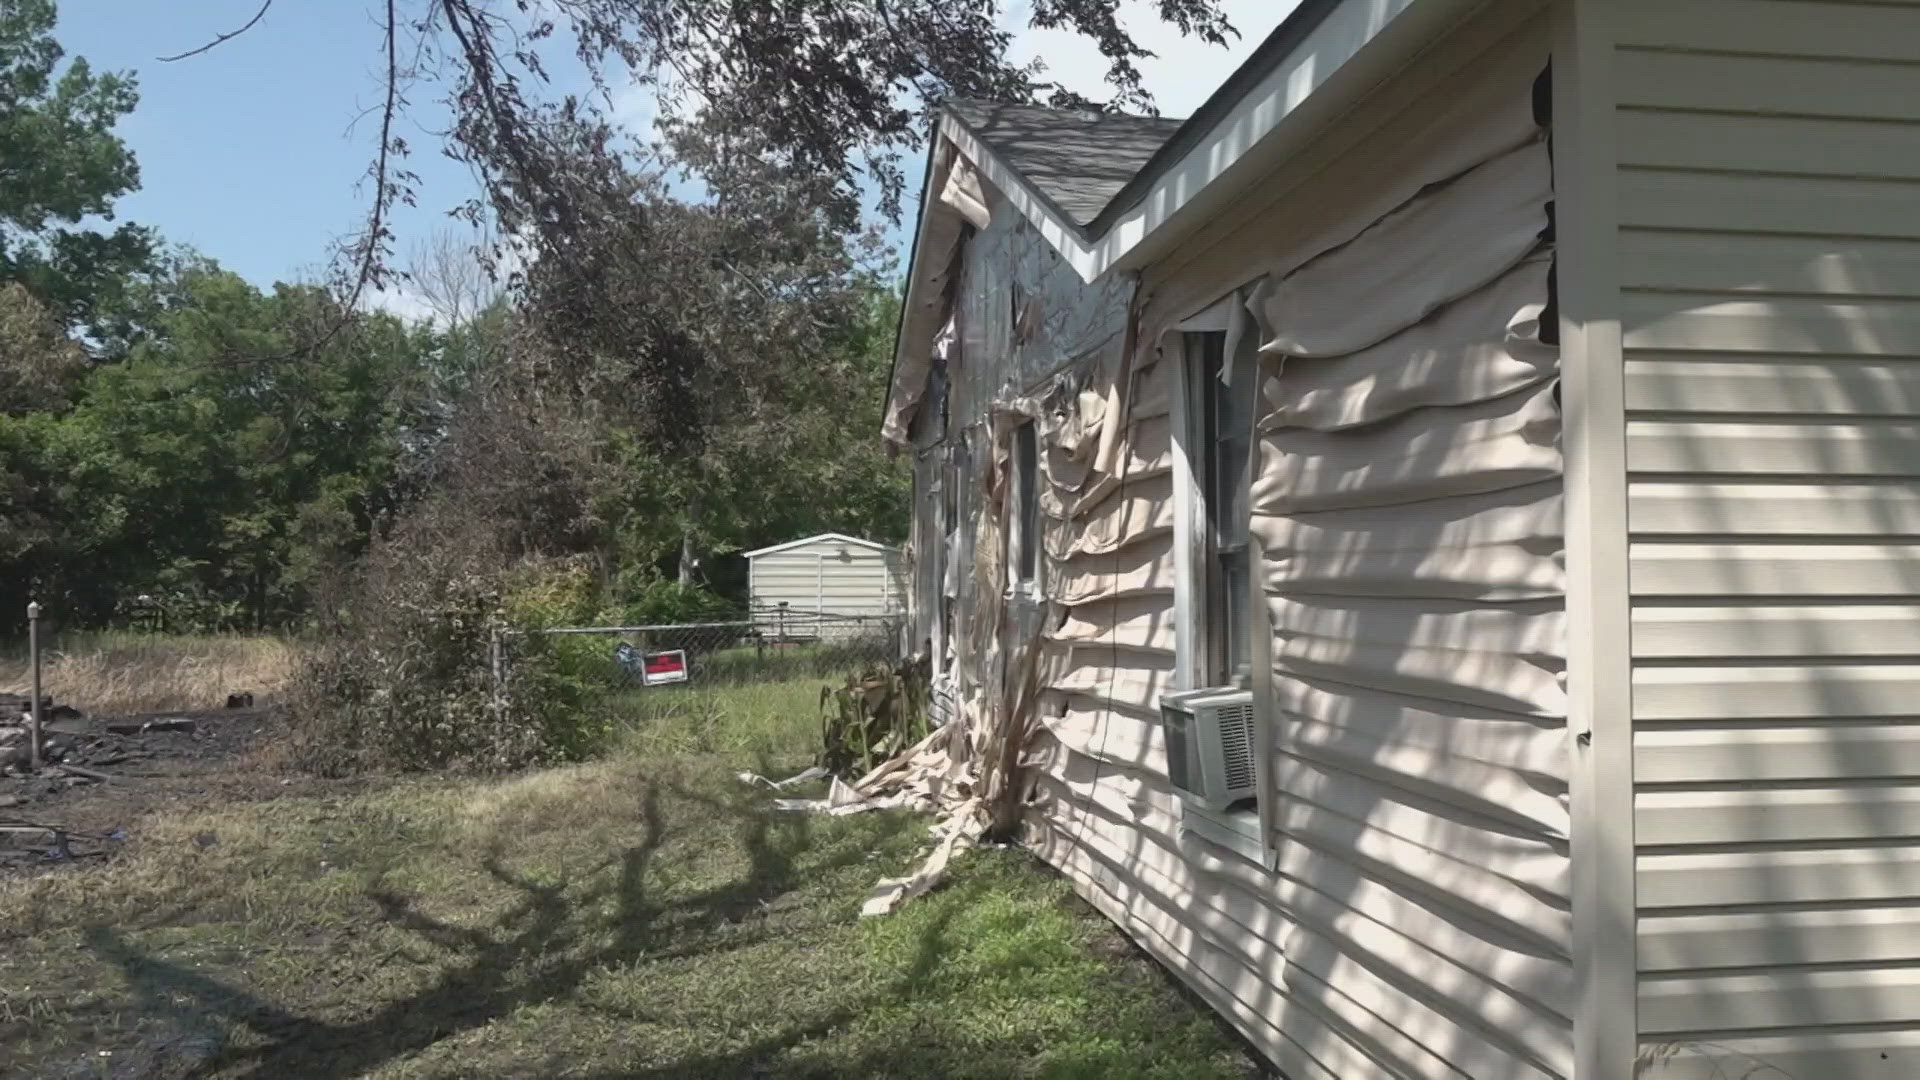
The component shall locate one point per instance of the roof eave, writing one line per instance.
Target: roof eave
(1310, 70)
(840, 537)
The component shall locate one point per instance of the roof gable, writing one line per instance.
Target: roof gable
(1076, 160)
(833, 536)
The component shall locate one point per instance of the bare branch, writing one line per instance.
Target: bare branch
(374, 243)
(222, 39)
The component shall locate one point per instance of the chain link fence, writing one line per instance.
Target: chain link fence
(773, 645)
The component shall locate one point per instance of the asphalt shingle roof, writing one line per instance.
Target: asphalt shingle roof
(1078, 160)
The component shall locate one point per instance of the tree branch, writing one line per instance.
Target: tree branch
(382, 194)
(222, 39)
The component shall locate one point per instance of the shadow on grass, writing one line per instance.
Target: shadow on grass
(532, 953)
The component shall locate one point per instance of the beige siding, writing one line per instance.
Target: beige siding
(1409, 503)
(1770, 260)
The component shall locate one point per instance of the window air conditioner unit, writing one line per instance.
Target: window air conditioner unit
(1210, 744)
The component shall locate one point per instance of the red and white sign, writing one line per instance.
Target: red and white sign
(663, 667)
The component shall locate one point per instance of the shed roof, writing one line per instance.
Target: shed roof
(1077, 159)
(841, 537)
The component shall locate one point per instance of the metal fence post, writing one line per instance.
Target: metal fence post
(495, 660)
(33, 655)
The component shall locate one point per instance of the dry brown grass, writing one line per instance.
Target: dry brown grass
(112, 673)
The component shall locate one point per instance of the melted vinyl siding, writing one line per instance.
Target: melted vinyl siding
(1770, 257)
(1417, 922)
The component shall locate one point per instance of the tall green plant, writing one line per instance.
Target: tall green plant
(879, 712)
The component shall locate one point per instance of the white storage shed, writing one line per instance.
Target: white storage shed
(830, 574)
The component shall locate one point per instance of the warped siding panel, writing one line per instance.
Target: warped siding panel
(1412, 833)
(1330, 721)
(1137, 622)
(1771, 256)
(1497, 546)
(1407, 500)
(1074, 487)
(1107, 674)
(1124, 516)
(1104, 732)
(1505, 656)
(1409, 264)
(1416, 920)
(1447, 360)
(1234, 903)
(1189, 955)
(1491, 790)
(1135, 570)
(1428, 454)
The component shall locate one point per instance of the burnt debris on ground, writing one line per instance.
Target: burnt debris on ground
(110, 757)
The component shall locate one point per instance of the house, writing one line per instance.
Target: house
(1517, 399)
(826, 584)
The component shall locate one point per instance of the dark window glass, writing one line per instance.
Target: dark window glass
(1222, 394)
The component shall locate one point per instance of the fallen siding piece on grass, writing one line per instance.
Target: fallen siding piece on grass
(841, 800)
(932, 775)
(956, 832)
(754, 779)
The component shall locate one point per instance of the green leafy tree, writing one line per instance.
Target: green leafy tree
(60, 164)
(227, 486)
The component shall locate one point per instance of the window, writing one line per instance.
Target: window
(1220, 405)
(1213, 445)
(1023, 532)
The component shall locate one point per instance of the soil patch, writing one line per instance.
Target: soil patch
(118, 769)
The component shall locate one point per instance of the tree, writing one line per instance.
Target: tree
(836, 91)
(191, 469)
(60, 163)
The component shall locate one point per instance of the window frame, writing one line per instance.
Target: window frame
(1024, 565)
(1205, 347)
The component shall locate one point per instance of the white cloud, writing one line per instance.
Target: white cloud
(1185, 71)
(636, 108)
(402, 303)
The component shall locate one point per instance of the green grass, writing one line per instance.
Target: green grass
(644, 915)
(765, 725)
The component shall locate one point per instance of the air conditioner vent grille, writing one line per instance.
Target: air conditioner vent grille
(1236, 745)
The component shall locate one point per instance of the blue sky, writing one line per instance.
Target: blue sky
(253, 154)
